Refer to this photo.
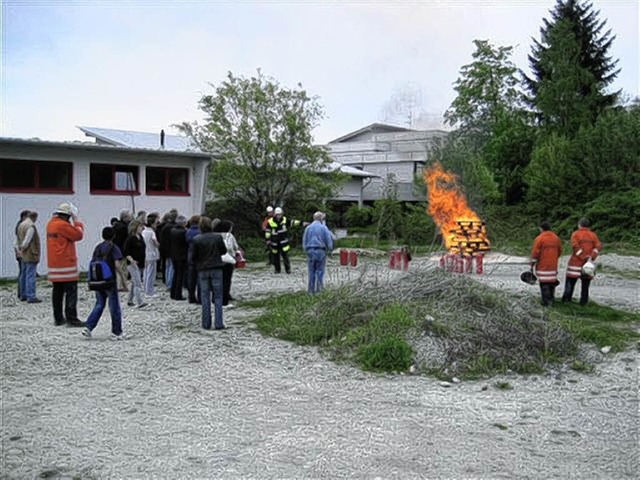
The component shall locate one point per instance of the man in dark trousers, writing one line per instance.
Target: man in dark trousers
(277, 237)
(206, 254)
(164, 237)
(585, 246)
(121, 232)
(179, 250)
(545, 253)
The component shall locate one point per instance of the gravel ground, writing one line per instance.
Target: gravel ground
(174, 401)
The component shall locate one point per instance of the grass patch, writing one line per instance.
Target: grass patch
(598, 324)
(503, 386)
(615, 272)
(447, 325)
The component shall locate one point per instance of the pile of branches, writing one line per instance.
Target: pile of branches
(475, 328)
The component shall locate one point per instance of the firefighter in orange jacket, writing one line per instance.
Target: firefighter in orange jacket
(584, 246)
(545, 253)
(63, 231)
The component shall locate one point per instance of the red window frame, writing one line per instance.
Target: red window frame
(114, 168)
(166, 191)
(6, 163)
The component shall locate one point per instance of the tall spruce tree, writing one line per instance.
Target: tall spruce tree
(571, 68)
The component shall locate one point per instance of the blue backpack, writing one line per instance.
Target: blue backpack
(100, 275)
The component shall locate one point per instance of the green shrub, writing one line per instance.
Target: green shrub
(358, 217)
(390, 354)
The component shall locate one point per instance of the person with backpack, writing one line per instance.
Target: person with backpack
(106, 287)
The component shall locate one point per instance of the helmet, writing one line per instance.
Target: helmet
(269, 209)
(278, 211)
(65, 208)
(528, 277)
(589, 268)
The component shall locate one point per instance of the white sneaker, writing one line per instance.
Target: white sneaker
(118, 337)
(229, 305)
(86, 332)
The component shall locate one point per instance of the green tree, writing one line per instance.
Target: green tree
(571, 68)
(487, 88)
(494, 130)
(259, 133)
(566, 173)
(507, 153)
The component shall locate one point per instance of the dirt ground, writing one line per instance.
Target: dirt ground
(174, 401)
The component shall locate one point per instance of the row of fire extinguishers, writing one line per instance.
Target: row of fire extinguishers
(399, 258)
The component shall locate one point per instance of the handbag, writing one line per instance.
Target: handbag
(227, 258)
(240, 260)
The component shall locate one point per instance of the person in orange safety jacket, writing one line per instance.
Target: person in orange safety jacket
(545, 253)
(63, 231)
(584, 246)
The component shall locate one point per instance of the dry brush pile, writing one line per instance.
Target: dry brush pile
(449, 325)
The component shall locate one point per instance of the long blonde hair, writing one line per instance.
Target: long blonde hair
(133, 227)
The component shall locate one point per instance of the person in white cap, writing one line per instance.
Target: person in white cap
(63, 231)
(278, 238)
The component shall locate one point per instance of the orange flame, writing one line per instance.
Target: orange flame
(448, 205)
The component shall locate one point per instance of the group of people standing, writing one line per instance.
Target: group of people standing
(546, 251)
(198, 254)
(173, 245)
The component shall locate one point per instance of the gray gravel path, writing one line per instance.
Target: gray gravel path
(176, 402)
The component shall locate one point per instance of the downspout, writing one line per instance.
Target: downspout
(363, 185)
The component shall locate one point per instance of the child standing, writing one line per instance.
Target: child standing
(111, 254)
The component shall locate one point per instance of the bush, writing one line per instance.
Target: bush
(358, 217)
(391, 354)
(614, 216)
(417, 226)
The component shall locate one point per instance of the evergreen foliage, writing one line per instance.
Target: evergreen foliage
(571, 68)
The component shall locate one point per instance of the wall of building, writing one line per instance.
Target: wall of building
(95, 210)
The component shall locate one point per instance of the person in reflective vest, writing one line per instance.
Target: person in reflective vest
(277, 238)
(584, 246)
(545, 253)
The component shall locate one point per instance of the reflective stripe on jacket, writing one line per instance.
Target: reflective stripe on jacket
(584, 245)
(62, 260)
(546, 251)
(276, 233)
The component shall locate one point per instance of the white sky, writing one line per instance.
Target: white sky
(143, 65)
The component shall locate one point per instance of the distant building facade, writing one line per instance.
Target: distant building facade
(387, 152)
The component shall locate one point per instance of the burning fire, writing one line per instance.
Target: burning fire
(462, 230)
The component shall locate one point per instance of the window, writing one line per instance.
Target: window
(113, 179)
(34, 176)
(167, 181)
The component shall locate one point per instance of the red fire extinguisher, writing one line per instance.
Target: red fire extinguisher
(353, 258)
(344, 256)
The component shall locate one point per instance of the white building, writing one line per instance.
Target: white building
(101, 180)
(386, 152)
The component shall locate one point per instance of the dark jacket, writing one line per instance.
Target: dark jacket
(192, 232)
(164, 237)
(135, 247)
(120, 231)
(207, 251)
(179, 244)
